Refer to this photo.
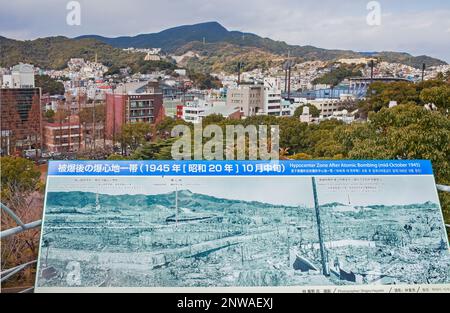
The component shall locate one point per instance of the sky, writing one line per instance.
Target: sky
(291, 191)
(414, 26)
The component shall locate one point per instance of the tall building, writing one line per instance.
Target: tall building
(21, 118)
(131, 103)
(249, 98)
(272, 102)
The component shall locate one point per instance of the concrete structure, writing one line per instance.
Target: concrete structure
(131, 103)
(364, 82)
(272, 101)
(22, 76)
(249, 98)
(306, 117)
(21, 120)
(357, 61)
(63, 137)
(195, 111)
(326, 106)
(343, 116)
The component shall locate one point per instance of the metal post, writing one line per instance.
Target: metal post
(93, 121)
(289, 81)
(371, 70)
(239, 73)
(423, 71)
(285, 79)
(79, 123)
(325, 269)
(176, 206)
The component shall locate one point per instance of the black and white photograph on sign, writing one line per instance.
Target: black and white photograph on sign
(242, 232)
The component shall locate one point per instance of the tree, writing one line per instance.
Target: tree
(87, 116)
(49, 85)
(117, 157)
(134, 135)
(160, 150)
(405, 132)
(336, 75)
(204, 81)
(379, 94)
(213, 119)
(301, 156)
(164, 128)
(440, 96)
(50, 116)
(18, 175)
(293, 134)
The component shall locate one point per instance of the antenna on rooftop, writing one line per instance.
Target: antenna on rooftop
(423, 71)
(239, 67)
(372, 64)
(287, 75)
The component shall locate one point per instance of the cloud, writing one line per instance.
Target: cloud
(417, 26)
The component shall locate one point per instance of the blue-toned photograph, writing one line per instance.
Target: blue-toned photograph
(242, 232)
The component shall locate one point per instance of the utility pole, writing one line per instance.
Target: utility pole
(61, 112)
(93, 121)
(372, 64)
(323, 255)
(176, 183)
(79, 123)
(70, 126)
(239, 72)
(423, 71)
(114, 118)
(285, 78)
(104, 123)
(176, 206)
(289, 81)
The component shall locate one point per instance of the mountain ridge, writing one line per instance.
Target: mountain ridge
(185, 198)
(172, 39)
(221, 51)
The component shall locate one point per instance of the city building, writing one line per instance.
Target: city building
(326, 106)
(249, 98)
(22, 76)
(343, 115)
(21, 118)
(195, 111)
(364, 82)
(272, 102)
(131, 103)
(66, 136)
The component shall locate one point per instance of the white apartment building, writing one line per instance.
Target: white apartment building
(22, 76)
(195, 111)
(272, 101)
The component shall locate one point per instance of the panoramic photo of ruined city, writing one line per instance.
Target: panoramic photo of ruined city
(201, 232)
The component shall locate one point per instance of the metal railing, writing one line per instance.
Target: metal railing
(6, 274)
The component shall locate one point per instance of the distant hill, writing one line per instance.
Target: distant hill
(173, 39)
(186, 199)
(54, 52)
(214, 48)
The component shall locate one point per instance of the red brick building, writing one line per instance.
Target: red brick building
(64, 137)
(131, 103)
